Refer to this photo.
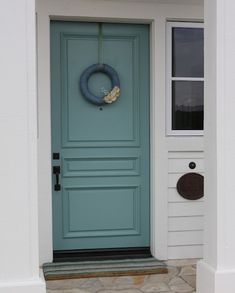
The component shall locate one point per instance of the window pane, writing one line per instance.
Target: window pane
(187, 105)
(187, 52)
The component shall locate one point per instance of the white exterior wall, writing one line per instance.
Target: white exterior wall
(19, 264)
(216, 273)
(164, 241)
(185, 217)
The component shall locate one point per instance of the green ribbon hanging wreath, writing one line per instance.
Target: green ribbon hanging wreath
(100, 68)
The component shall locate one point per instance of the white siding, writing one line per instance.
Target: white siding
(178, 252)
(185, 223)
(185, 217)
(185, 209)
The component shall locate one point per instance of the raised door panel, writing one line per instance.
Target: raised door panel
(83, 207)
(86, 125)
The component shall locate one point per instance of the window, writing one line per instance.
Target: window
(185, 78)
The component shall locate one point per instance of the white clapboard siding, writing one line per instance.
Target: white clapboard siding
(188, 251)
(185, 155)
(185, 217)
(186, 209)
(185, 238)
(185, 223)
(182, 165)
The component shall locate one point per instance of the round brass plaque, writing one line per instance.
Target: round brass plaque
(191, 186)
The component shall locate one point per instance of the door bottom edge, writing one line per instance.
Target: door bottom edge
(101, 254)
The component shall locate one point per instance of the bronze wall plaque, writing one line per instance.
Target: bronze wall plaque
(191, 186)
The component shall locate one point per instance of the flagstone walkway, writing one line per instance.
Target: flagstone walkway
(181, 278)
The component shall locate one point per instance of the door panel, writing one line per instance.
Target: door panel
(88, 223)
(104, 150)
(106, 129)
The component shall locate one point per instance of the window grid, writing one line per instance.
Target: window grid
(170, 78)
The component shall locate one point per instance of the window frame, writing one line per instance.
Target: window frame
(170, 78)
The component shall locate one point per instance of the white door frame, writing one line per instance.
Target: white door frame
(117, 11)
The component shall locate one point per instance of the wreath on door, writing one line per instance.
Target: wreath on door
(114, 93)
(111, 73)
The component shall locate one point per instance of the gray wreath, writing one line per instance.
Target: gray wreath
(111, 73)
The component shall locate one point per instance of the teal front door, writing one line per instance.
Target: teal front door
(101, 153)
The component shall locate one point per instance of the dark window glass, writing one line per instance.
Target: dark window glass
(187, 105)
(187, 52)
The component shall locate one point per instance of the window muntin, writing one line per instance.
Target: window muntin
(185, 78)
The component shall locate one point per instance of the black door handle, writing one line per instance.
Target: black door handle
(56, 171)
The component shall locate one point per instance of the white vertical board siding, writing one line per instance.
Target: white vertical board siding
(185, 217)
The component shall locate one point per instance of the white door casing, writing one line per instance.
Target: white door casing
(155, 14)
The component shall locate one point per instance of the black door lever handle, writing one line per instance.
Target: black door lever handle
(56, 171)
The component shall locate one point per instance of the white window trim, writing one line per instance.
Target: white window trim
(169, 79)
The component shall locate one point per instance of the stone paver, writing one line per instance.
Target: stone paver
(157, 287)
(181, 278)
(118, 291)
(76, 290)
(191, 280)
(187, 271)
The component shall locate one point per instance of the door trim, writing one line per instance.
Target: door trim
(154, 14)
(158, 212)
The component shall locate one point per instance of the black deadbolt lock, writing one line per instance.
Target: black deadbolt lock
(56, 156)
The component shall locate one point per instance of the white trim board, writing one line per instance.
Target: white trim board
(115, 11)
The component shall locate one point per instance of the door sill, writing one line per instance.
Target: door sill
(100, 254)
